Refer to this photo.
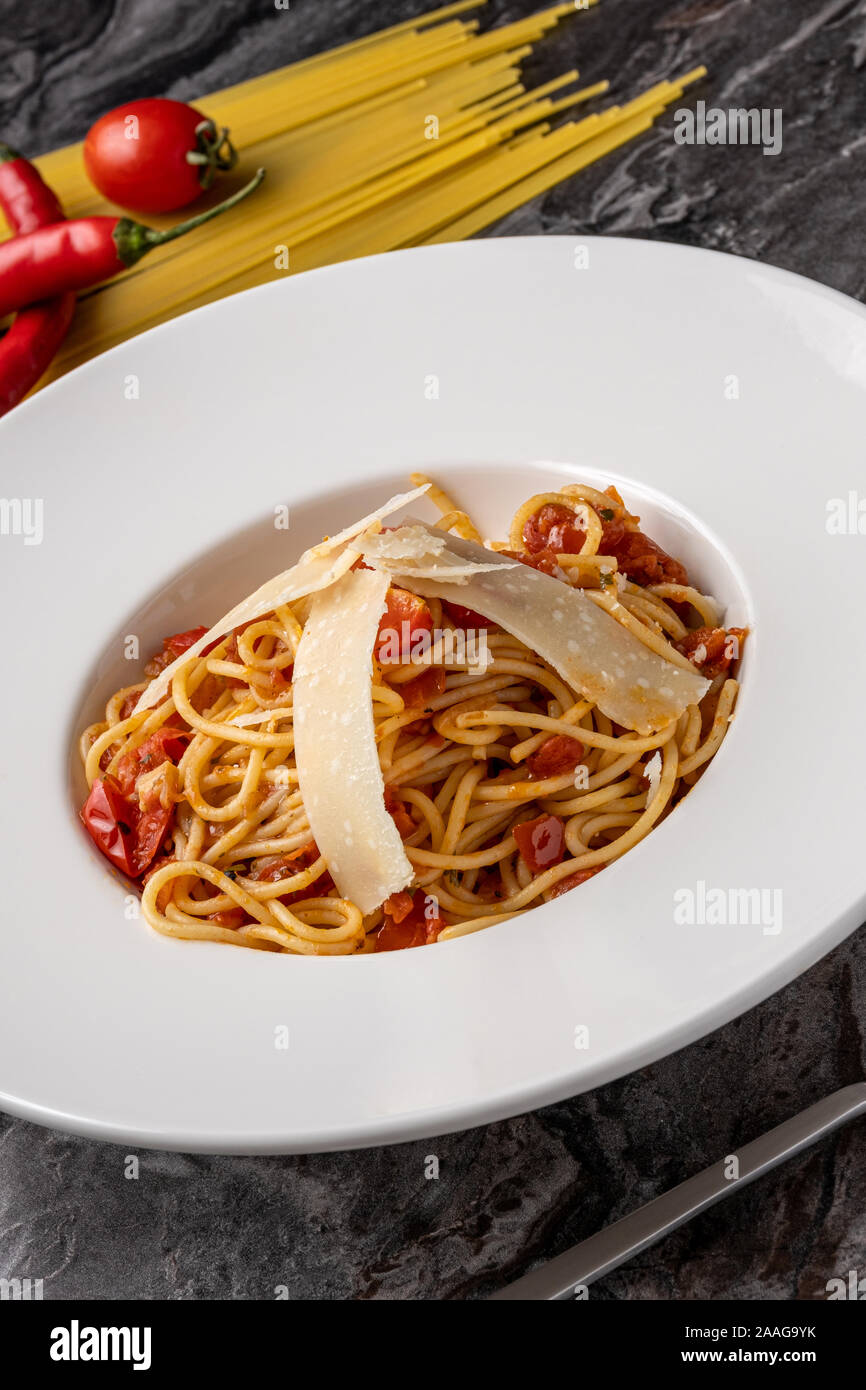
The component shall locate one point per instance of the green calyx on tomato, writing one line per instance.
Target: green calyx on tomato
(213, 152)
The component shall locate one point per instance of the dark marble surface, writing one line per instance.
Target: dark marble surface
(369, 1225)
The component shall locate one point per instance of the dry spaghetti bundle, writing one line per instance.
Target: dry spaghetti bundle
(423, 133)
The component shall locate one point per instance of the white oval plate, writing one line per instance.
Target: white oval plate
(727, 399)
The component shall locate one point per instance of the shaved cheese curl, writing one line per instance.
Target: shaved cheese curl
(316, 569)
(415, 549)
(589, 649)
(340, 779)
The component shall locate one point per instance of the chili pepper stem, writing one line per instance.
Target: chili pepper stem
(133, 240)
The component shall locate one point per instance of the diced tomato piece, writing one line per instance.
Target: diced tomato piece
(128, 835)
(285, 865)
(397, 809)
(280, 678)
(404, 627)
(182, 641)
(319, 888)
(230, 917)
(165, 892)
(541, 842)
(466, 618)
(208, 692)
(154, 819)
(572, 881)
(398, 907)
(307, 854)
(553, 517)
(557, 755)
(172, 648)
(417, 925)
(556, 528)
(272, 873)
(128, 704)
(644, 562)
(710, 649)
(544, 560)
(232, 654)
(489, 883)
(166, 744)
(418, 693)
(109, 820)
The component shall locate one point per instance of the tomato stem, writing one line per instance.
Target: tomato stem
(214, 151)
(133, 240)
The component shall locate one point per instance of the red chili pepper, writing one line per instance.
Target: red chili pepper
(26, 199)
(28, 347)
(76, 255)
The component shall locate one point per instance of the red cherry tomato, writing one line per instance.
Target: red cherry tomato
(155, 155)
(109, 820)
(127, 834)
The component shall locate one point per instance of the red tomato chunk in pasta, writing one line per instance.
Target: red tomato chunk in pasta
(128, 834)
(410, 920)
(555, 528)
(565, 885)
(712, 649)
(541, 842)
(406, 623)
(556, 756)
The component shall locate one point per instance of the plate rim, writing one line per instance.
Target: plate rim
(532, 1095)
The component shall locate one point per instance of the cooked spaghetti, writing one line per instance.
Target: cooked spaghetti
(356, 760)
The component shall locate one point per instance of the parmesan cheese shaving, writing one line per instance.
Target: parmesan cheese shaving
(340, 779)
(411, 542)
(415, 549)
(368, 523)
(317, 568)
(589, 649)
